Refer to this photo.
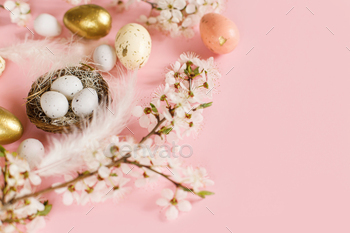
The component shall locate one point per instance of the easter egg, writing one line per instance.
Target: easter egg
(11, 128)
(133, 45)
(85, 102)
(54, 104)
(105, 57)
(32, 150)
(47, 25)
(68, 85)
(89, 21)
(219, 33)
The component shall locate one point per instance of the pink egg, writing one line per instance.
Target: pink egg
(219, 33)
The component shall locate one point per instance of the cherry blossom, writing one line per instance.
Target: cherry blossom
(197, 178)
(19, 11)
(174, 203)
(179, 17)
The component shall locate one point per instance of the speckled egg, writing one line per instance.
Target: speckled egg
(219, 33)
(32, 150)
(105, 57)
(68, 85)
(133, 46)
(85, 102)
(47, 25)
(54, 104)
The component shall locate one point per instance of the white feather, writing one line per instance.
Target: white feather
(48, 55)
(66, 152)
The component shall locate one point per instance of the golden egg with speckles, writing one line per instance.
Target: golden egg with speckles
(89, 21)
(11, 128)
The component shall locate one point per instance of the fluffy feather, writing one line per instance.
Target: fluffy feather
(41, 56)
(65, 153)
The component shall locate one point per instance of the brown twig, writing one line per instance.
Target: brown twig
(84, 176)
(177, 184)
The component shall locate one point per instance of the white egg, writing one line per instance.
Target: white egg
(105, 57)
(54, 104)
(47, 25)
(32, 150)
(67, 85)
(85, 102)
(133, 45)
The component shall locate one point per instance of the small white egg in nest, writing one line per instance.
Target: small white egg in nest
(54, 104)
(68, 85)
(31, 150)
(105, 57)
(47, 25)
(85, 102)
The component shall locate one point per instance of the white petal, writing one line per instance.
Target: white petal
(13, 169)
(152, 20)
(168, 194)
(179, 4)
(35, 179)
(9, 5)
(103, 172)
(178, 15)
(67, 198)
(166, 14)
(144, 121)
(140, 182)
(137, 111)
(163, 202)
(172, 213)
(190, 9)
(181, 194)
(187, 22)
(143, 19)
(24, 8)
(184, 205)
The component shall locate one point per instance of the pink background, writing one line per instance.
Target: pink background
(276, 140)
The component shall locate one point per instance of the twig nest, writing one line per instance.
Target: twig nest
(52, 101)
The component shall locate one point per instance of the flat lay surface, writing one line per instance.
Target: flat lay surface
(275, 141)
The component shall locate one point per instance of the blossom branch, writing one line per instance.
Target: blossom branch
(177, 184)
(79, 178)
(85, 175)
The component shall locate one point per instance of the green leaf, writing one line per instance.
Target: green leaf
(2, 151)
(154, 109)
(205, 105)
(166, 130)
(204, 193)
(46, 211)
(196, 71)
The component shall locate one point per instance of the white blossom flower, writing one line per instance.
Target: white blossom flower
(148, 21)
(171, 9)
(197, 178)
(69, 193)
(174, 203)
(36, 224)
(19, 11)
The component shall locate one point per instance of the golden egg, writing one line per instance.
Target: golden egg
(89, 21)
(11, 128)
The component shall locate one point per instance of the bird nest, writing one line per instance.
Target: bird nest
(89, 79)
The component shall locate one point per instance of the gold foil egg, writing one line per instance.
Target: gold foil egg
(89, 21)
(11, 128)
